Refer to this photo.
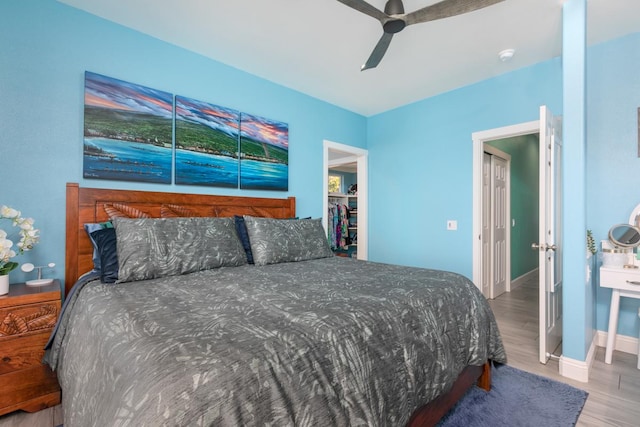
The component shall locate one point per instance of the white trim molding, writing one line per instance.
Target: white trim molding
(622, 343)
(578, 369)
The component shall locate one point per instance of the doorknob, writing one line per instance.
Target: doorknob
(543, 247)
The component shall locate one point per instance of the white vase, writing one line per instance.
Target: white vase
(4, 284)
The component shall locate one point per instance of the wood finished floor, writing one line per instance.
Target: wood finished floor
(614, 390)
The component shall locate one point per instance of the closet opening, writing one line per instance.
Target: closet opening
(342, 213)
(345, 199)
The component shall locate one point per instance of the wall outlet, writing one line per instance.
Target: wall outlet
(452, 224)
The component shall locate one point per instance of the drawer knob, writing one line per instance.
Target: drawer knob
(633, 282)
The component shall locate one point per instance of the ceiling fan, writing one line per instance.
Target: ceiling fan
(393, 19)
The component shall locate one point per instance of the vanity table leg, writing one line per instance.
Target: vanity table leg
(613, 325)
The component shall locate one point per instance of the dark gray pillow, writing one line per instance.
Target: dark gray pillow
(157, 247)
(241, 229)
(106, 243)
(90, 228)
(276, 240)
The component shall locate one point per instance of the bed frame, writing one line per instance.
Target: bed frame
(89, 205)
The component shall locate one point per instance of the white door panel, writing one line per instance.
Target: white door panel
(499, 227)
(486, 226)
(549, 243)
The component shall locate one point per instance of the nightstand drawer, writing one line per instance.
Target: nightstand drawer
(19, 353)
(620, 278)
(30, 389)
(27, 319)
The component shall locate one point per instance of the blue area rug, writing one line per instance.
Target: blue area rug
(518, 398)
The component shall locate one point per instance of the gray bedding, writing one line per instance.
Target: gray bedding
(330, 341)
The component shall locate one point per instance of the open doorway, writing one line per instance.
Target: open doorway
(520, 143)
(354, 161)
(548, 245)
(513, 159)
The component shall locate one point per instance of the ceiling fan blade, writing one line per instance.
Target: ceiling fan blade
(446, 9)
(366, 8)
(378, 52)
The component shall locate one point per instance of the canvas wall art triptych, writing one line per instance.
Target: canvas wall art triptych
(129, 135)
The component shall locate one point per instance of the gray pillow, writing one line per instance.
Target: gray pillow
(157, 247)
(286, 240)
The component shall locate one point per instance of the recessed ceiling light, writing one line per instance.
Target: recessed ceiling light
(506, 55)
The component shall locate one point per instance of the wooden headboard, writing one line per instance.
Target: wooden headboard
(89, 205)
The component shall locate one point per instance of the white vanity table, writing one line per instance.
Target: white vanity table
(624, 282)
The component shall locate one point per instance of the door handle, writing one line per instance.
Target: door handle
(543, 247)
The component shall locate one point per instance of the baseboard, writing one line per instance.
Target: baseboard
(518, 281)
(623, 343)
(578, 369)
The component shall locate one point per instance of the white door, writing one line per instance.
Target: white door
(499, 226)
(495, 222)
(486, 226)
(549, 243)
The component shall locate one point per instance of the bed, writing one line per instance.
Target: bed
(297, 338)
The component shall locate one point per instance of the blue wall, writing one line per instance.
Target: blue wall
(45, 49)
(613, 165)
(578, 295)
(420, 158)
(421, 164)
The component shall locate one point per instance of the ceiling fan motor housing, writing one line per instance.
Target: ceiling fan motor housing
(394, 7)
(394, 26)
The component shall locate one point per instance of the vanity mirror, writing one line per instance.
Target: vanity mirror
(625, 235)
(618, 251)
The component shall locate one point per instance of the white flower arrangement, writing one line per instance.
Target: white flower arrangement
(28, 238)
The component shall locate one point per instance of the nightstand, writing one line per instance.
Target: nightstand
(27, 317)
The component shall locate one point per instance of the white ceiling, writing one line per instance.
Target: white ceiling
(318, 46)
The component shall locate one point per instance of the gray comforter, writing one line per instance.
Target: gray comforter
(324, 342)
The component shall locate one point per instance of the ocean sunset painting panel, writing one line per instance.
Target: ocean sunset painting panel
(264, 154)
(206, 144)
(127, 131)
